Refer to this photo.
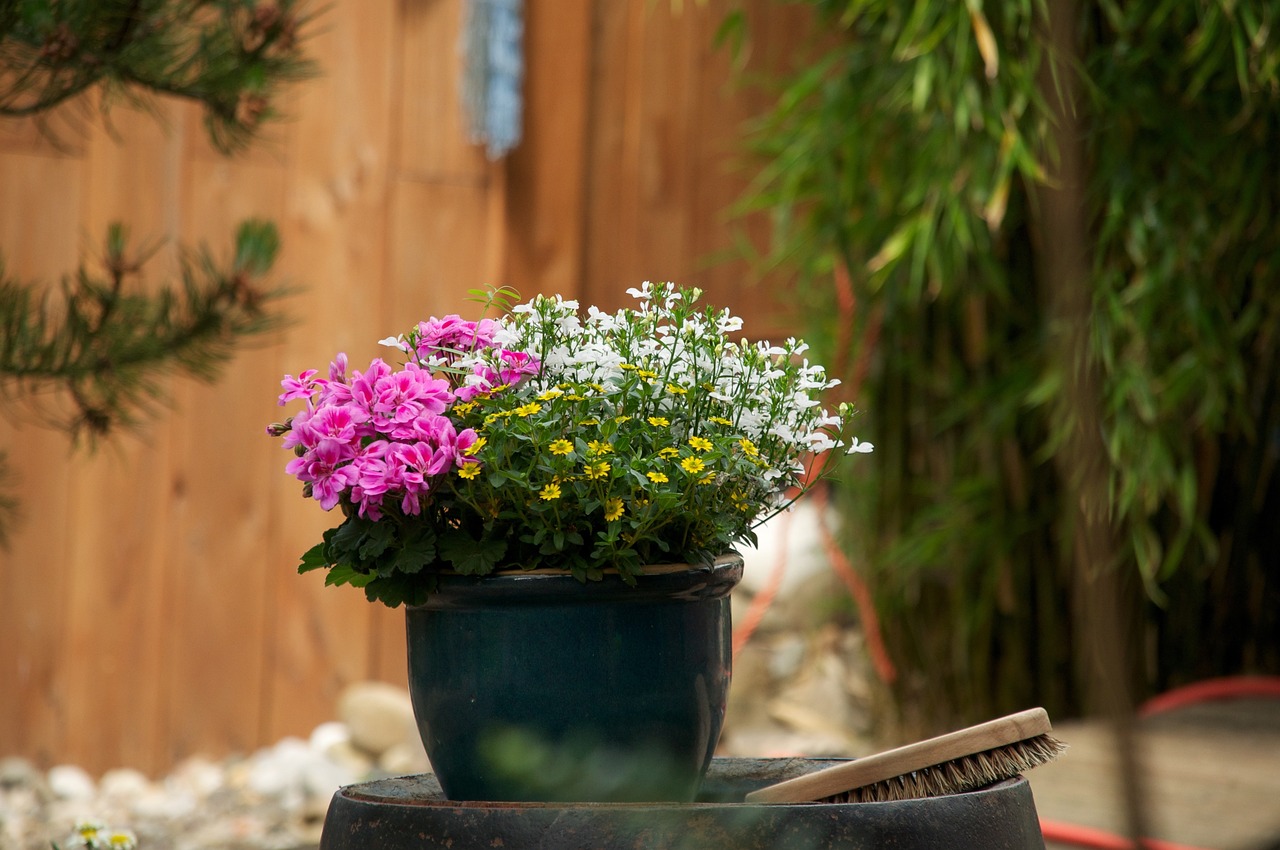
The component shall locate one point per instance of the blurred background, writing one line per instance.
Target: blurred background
(1037, 243)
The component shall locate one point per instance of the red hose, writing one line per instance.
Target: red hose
(1229, 687)
(1084, 836)
(760, 603)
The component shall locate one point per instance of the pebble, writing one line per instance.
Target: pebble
(69, 782)
(377, 715)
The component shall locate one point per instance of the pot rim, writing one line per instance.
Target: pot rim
(689, 582)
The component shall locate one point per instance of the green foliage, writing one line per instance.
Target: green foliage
(638, 438)
(907, 165)
(97, 357)
(231, 56)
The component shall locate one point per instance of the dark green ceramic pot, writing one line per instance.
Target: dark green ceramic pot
(537, 687)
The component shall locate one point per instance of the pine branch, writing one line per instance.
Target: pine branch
(231, 56)
(98, 356)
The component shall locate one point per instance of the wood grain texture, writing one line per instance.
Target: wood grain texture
(36, 187)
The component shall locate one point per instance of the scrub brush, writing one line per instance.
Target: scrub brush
(949, 764)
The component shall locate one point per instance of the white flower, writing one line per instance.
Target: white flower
(820, 441)
(395, 342)
(727, 323)
(644, 293)
(856, 446)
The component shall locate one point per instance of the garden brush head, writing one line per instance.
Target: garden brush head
(949, 764)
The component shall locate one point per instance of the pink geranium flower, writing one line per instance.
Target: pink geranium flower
(324, 468)
(304, 386)
(453, 334)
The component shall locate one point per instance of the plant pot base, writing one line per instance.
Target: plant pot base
(411, 812)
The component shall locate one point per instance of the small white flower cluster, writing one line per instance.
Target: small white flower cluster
(770, 392)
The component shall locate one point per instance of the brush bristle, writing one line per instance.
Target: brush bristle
(958, 775)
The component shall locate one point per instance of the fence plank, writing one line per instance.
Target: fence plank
(334, 237)
(545, 200)
(431, 142)
(119, 571)
(39, 203)
(219, 606)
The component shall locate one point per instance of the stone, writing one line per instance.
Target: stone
(17, 772)
(328, 735)
(377, 715)
(72, 783)
(278, 770)
(124, 783)
(351, 757)
(198, 776)
(404, 758)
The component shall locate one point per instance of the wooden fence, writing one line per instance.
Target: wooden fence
(149, 608)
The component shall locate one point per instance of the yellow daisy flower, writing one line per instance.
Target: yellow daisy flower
(598, 470)
(550, 493)
(748, 447)
(701, 444)
(692, 465)
(561, 447)
(668, 452)
(469, 471)
(659, 421)
(720, 420)
(471, 450)
(676, 390)
(599, 447)
(528, 409)
(657, 477)
(612, 510)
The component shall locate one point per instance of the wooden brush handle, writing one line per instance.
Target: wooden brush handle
(903, 760)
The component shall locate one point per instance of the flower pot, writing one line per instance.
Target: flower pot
(537, 687)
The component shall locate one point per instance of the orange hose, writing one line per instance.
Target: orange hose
(760, 603)
(1084, 836)
(1228, 687)
(858, 590)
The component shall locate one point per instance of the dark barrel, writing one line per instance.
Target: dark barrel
(411, 812)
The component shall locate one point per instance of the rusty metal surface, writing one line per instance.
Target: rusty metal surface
(409, 813)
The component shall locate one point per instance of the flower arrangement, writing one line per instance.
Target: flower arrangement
(552, 439)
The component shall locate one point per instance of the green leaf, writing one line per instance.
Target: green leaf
(347, 574)
(415, 554)
(472, 557)
(376, 539)
(313, 559)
